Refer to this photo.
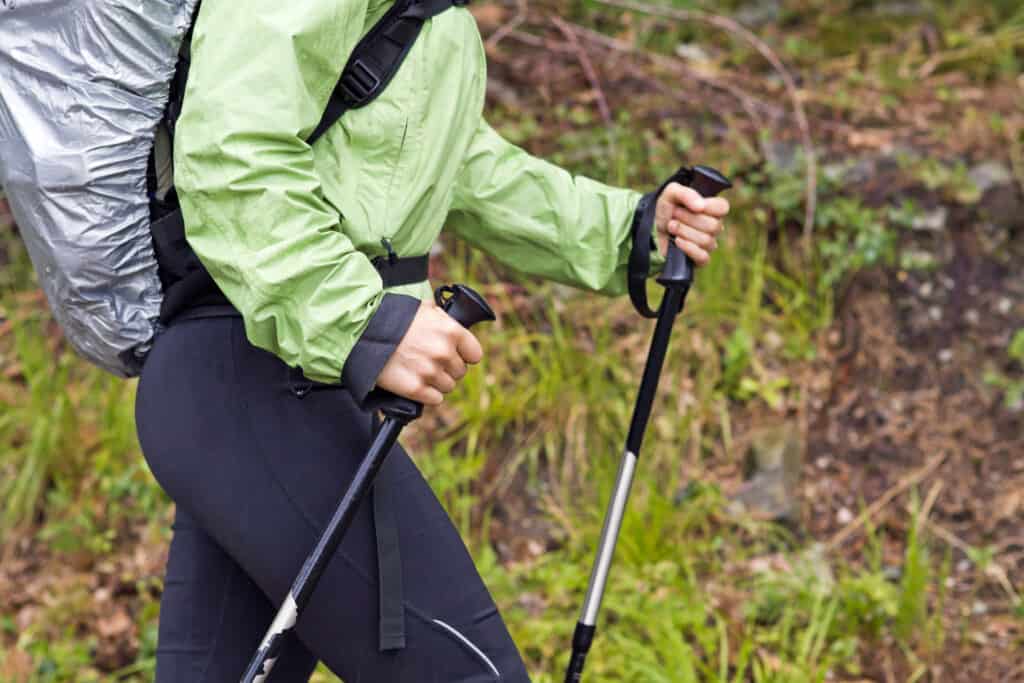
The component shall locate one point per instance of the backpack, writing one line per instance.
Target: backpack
(89, 93)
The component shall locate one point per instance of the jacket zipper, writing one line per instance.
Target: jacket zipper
(394, 174)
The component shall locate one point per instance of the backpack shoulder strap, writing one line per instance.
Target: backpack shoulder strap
(377, 57)
(374, 61)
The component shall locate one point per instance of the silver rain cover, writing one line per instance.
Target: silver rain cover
(83, 84)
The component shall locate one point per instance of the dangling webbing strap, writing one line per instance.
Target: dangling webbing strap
(390, 590)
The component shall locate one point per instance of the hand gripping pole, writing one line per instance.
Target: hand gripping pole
(468, 308)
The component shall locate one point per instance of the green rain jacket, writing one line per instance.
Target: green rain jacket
(287, 231)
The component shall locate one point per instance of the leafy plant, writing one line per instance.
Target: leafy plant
(1011, 386)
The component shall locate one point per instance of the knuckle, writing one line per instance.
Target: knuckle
(440, 349)
(439, 379)
(455, 329)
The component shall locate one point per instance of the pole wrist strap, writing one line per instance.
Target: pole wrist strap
(644, 242)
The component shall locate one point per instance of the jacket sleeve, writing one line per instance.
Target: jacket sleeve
(541, 220)
(254, 211)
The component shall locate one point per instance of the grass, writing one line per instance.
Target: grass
(553, 399)
(699, 592)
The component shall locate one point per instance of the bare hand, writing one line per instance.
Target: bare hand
(693, 221)
(431, 358)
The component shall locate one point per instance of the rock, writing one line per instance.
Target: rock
(852, 172)
(917, 259)
(757, 13)
(692, 52)
(902, 9)
(931, 221)
(862, 171)
(989, 174)
(783, 156)
(773, 463)
(844, 516)
(1003, 205)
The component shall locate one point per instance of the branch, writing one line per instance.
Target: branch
(588, 69)
(734, 27)
(883, 501)
(499, 35)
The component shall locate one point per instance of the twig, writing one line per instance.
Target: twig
(499, 35)
(994, 570)
(734, 27)
(588, 70)
(751, 105)
(886, 498)
(929, 502)
(1006, 39)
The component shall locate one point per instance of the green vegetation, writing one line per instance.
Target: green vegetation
(552, 399)
(701, 590)
(1011, 386)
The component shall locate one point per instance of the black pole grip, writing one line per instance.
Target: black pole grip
(468, 308)
(464, 304)
(678, 270)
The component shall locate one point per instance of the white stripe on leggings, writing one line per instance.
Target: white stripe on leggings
(468, 643)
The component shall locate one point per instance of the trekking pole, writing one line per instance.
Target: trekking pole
(676, 277)
(468, 308)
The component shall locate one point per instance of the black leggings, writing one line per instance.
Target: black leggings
(255, 459)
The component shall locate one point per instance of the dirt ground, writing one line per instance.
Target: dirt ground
(905, 400)
(898, 401)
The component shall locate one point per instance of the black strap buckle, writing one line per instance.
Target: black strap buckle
(358, 83)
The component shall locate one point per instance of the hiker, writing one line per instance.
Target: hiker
(255, 404)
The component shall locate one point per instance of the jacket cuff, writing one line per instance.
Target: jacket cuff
(378, 341)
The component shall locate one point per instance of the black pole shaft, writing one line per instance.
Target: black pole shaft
(302, 588)
(670, 308)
